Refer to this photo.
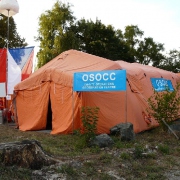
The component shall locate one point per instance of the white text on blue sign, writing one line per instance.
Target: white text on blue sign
(109, 80)
(160, 84)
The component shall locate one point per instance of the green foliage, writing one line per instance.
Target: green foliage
(53, 25)
(101, 40)
(138, 151)
(67, 169)
(125, 156)
(58, 31)
(164, 149)
(165, 105)
(14, 172)
(149, 52)
(81, 142)
(14, 38)
(89, 119)
(106, 158)
(171, 62)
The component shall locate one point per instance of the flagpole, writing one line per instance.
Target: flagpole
(7, 52)
(7, 66)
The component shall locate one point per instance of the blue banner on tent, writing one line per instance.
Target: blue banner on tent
(109, 80)
(160, 84)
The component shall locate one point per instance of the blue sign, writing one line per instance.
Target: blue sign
(160, 84)
(109, 80)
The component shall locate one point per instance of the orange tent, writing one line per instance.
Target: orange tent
(47, 97)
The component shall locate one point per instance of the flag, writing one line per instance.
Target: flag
(14, 74)
(20, 65)
(24, 59)
(3, 57)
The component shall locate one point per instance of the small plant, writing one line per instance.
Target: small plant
(67, 169)
(89, 119)
(165, 106)
(164, 149)
(125, 156)
(106, 158)
(138, 151)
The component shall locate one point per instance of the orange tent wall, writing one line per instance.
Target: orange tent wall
(33, 103)
(65, 109)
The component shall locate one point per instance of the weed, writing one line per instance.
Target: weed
(164, 149)
(67, 169)
(151, 155)
(95, 149)
(89, 119)
(125, 156)
(14, 173)
(138, 151)
(94, 163)
(105, 158)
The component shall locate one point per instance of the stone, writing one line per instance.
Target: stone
(102, 140)
(25, 154)
(125, 130)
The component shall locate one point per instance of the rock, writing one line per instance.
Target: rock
(102, 140)
(25, 154)
(125, 130)
(175, 126)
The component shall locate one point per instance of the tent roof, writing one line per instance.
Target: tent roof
(140, 69)
(66, 64)
(61, 69)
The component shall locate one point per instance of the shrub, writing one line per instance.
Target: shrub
(164, 106)
(89, 119)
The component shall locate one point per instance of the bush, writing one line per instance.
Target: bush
(165, 106)
(89, 119)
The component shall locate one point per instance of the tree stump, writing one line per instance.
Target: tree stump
(25, 154)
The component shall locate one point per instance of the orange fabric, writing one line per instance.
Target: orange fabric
(65, 109)
(53, 82)
(32, 107)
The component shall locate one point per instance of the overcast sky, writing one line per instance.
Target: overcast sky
(159, 19)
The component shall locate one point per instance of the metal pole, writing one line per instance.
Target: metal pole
(6, 111)
(126, 105)
(7, 53)
(72, 111)
(8, 30)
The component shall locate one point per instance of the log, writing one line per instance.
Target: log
(25, 154)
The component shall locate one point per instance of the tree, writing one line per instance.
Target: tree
(149, 52)
(100, 40)
(143, 50)
(52, 32)
(132, 37)
(171, 62)
(14, 38)
(59, 32)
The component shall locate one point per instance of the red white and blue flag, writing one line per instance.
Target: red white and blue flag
(15, 65)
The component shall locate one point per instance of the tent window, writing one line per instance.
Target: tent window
(49, 117)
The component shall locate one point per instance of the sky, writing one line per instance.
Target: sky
(159, 19)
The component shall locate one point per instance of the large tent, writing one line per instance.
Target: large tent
(47, 98)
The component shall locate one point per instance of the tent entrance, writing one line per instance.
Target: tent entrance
(49, 117)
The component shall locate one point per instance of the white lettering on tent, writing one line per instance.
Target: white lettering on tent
(162, 83)
(98, 77)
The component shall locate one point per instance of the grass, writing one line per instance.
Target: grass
(151, 155)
